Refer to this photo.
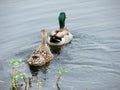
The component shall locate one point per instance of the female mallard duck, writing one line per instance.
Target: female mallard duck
(43, 54)
(61, 36)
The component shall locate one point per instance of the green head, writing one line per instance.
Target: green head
(61, 18)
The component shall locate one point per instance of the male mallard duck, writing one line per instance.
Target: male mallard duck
(61, 36)
(43, 54)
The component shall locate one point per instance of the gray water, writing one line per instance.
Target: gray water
(92, 59)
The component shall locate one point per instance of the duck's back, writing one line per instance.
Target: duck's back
(46, 53)
(36, 59)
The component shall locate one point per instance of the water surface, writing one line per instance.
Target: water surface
(93, 57)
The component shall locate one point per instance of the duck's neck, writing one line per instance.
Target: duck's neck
(61, 20)
(61, 24)
(44, 38)
(44, 42)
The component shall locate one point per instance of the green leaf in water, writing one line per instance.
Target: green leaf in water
(16, 63)
(12, 61)
(62, 70)
(23, 75)
(12, 83)
(38, 82)
(20, 61)
(16, 76)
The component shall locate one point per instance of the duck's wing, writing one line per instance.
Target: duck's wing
(62, 33)
(46, 53)
(54, 33)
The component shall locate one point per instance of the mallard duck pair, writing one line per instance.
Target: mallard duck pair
(43, 55)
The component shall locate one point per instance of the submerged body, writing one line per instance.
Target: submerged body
(61, 36)
(42, 55)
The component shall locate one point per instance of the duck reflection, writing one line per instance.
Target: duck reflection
(36, 69)
(55, 49)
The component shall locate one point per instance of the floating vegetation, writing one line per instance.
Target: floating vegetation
(18, 74)
(60, 71)
(21, 81)
(38, 82)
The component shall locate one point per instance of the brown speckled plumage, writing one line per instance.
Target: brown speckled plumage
(43, 54)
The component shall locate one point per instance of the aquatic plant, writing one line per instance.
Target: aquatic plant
(38, 82)
(60, 71)
(18, 74)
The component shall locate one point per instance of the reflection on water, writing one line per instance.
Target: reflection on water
(55, 49)
(35, 69)
(92, 58)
